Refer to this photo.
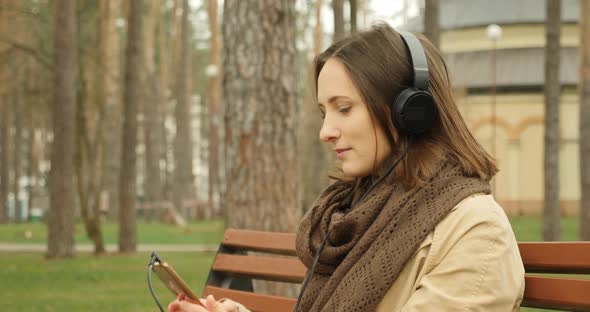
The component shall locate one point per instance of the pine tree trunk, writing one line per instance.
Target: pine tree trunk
(85, 185)
(353, 16)
(259, 82)
(551, 228)
(431, 22)
(164, 75)
(4, 130)
(584, 89)
(132, 96)
(60, 240)
(183, 151)
(152, 104)
(315, 158)
(338, 8)
(5, 151)
(17, 144)
(110, 67)
(213, 99)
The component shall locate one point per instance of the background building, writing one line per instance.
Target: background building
(507, 75)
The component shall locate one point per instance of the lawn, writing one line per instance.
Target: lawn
(210, 232)
(118, 282)
(87, 283)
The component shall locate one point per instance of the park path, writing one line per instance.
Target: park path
(8, 247)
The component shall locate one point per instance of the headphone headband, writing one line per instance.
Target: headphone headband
(418, 60)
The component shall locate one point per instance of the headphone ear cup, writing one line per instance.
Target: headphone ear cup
(414, 111)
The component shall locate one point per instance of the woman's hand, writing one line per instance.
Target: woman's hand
(181, 304)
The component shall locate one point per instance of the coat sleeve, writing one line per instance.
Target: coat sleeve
(475, 265)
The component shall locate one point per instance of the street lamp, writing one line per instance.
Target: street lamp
(494, 32)
(211, 71)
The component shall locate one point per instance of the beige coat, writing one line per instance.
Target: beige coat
(470, 262)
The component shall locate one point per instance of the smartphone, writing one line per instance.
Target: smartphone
(173, 281)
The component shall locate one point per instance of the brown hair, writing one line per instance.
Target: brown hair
(379, 65)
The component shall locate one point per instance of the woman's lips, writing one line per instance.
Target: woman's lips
(340, 153)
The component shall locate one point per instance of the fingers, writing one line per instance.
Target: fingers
(183, 305)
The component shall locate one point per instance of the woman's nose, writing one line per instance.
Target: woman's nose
(329, 133)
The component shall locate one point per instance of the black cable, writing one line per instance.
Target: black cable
(318, 253)
(153, 259)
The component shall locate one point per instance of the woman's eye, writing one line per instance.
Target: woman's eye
(344, 109)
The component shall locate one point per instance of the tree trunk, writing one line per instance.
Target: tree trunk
(353, 16)
(551, 228)
(85, 161)
(259, 82)
(431, 22)
(338, 8)
(110, 67)
(314, 159)
(183, 147)
(164, 66)
(132, 94)
(5, 150)
(152, 104)
(584, 89)
(60, 240)
(213, 99)
(18, 143)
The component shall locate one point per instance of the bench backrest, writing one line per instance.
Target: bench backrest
(274, 259)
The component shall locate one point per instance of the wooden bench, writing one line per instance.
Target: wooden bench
(234, 269)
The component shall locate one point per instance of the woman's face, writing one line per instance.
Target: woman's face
(348, 127)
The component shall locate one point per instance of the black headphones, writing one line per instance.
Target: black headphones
(414, 111)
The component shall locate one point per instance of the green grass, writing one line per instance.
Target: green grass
(87, 283)
(530, 229)
(204, 232)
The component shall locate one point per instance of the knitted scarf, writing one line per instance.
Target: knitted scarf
(368, 246)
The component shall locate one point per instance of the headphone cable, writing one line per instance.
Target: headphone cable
(153, 259)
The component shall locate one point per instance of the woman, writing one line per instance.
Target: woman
(410, 224)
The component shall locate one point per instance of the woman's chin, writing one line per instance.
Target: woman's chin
(354, 172)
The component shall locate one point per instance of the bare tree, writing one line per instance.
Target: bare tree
(109, 85)
(213, 99)
(551, 228)
(132, 96)
(18, 101)
(431, 21)
(353, 16)
(60, 240)
(584, 89)
(87, 160)
(338, 8)
(183, 147)
(6, 114)
(314, 156)
(152, 104)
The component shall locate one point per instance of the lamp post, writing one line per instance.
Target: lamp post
(494, 32)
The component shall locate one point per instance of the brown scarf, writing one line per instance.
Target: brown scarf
(368, 247)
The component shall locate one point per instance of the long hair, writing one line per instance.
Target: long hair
(379, 65)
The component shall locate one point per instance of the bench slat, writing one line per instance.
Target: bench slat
(556, 257)
(268, 268)
(557, 293)
(254, 302)
(271, 242)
